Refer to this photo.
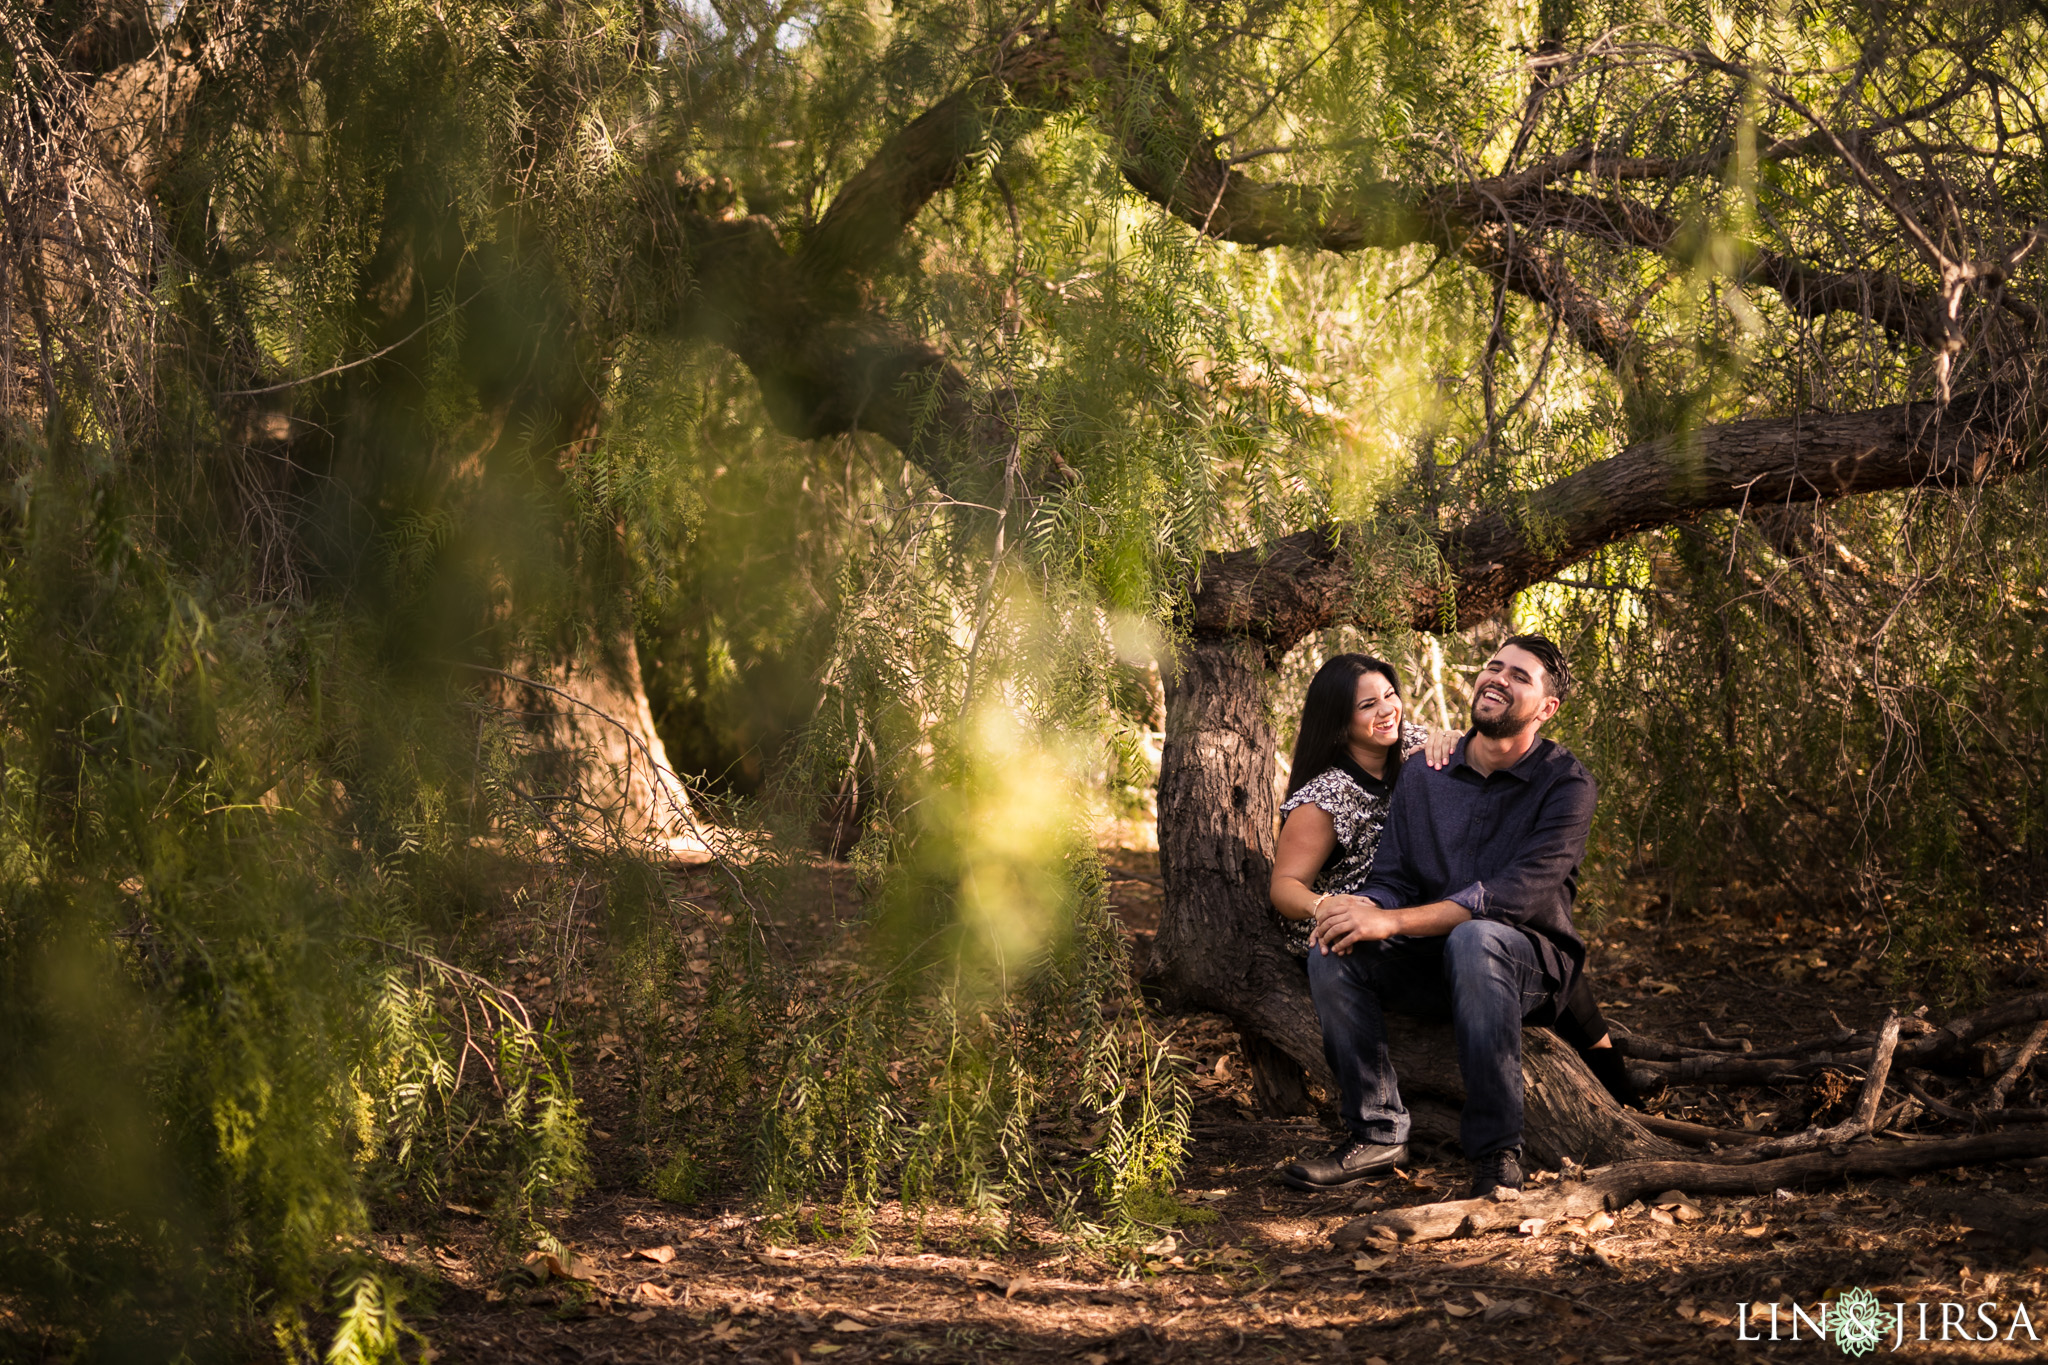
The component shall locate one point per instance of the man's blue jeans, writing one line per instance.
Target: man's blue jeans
(1482, 976)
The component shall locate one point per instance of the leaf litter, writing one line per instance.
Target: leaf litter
(651, 1281)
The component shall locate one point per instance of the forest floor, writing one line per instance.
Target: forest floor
(658, 1282)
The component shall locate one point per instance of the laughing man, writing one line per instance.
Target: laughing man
(1468, 909)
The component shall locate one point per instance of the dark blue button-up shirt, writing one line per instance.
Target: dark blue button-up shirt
(1505, 846)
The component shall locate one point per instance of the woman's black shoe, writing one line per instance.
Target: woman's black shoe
(1611, 1070)
(1349, 1163)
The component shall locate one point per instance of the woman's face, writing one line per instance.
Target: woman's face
(1375, 714)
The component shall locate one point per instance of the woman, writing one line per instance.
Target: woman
(1348, 753)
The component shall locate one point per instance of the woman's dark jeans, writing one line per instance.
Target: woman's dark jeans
(1482, 976)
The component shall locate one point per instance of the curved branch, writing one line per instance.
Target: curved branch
(1168, 157)
(1281, 592)
(1808, 290)
(826, 368)
(926, 156)
(1496, 225)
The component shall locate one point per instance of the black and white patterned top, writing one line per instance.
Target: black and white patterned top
(1356, 803)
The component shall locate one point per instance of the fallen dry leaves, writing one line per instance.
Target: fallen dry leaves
(1658, 1280)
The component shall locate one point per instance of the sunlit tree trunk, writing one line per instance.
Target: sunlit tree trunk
(597, 751)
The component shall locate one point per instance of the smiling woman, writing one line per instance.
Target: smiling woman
(1347, 755)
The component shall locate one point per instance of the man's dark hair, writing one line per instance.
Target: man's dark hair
(1326, 717)
(1557, 674)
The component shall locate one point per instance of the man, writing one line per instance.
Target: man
(1467, 909)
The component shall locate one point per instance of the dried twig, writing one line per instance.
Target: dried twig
(1724, 1044)
(1695, 1134)
(1933, 1105)
(2020, 1063)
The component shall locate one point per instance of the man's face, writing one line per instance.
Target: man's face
(1510, 697)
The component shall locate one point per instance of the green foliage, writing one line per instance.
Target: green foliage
(228, 1026)
(371, 1330)
(1145, 1108)
(379, 370)
(241, 805)
(1846, 717)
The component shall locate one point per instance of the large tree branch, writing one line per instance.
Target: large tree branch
(1028, 76)
(829, 363)
(825, 368)
(1807, 289)
(1167, 156)
(1497, 225)
(1279, 593)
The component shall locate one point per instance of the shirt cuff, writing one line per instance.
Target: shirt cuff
(1473, 898)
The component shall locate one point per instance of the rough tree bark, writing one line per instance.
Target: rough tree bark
(601, 762)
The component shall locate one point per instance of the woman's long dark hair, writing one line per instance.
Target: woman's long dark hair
(1326, 717)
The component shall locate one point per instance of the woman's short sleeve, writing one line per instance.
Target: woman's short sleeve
(1413, 737)
(1336, 796)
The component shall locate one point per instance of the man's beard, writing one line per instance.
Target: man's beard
(1507, 721)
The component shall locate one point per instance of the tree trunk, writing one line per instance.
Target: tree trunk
(603, 769)
(1220, 949)
(1217, 947)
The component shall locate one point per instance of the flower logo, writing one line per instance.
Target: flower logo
(1858, 1322)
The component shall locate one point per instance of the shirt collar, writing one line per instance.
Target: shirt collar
(1352, 769)
(1523, 769)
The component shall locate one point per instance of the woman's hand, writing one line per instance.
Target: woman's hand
(1346, 920)
(1437, 749)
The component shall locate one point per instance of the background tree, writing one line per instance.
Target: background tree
(885, 372)
(1675, 212)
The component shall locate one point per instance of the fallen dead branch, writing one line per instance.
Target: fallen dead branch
(1718, 1044)
(1696, 1134)
(1642, 1047)
(1947, 1049)
(2020, 1063)
(1981, 1116)
(1612, 1187)
(1721, 1068)
(1859, 1124)
(1947, 1043)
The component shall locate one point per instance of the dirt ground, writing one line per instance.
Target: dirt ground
(657, 1282)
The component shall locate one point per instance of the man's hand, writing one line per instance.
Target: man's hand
(1346, 920)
